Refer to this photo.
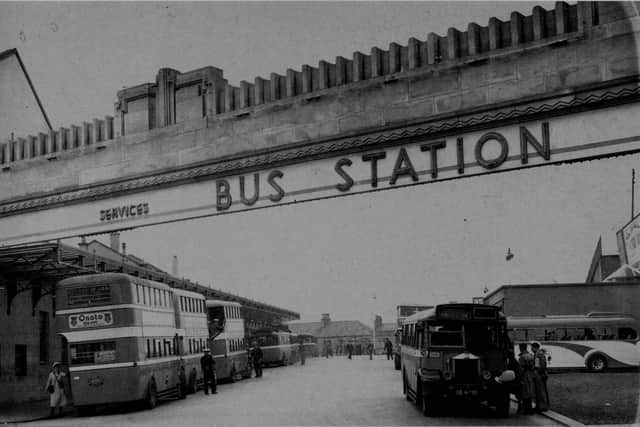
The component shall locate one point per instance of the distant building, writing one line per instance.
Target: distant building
(567, 298)
(337, 333)
(602, 266)
(384, 331)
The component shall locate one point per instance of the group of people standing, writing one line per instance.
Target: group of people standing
(531, 375)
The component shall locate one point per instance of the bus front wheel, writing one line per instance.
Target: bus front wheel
(425, 402)
(151, 401)
(503, 404)
(597, 363)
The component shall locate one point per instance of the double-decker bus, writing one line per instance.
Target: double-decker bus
(121, 339)
(403, 311)
(596, 340)
(192, 334)
(276, 346)
(456, 350)
(227, 338)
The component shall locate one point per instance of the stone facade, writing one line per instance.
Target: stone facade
(189, 118)
(28, 347)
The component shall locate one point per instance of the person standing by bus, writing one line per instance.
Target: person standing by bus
(256, 356)
(527, 378)
(55, 388)
(388, 348)
(301, 350)
(540, 365)
(208, 365)
(370, 350)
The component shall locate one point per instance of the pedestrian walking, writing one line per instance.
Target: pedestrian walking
(388, 348)
(256, 356)
(301, 351)
(527, 379)
(349, 350)
(55, 388)
(540, 365)
(208, 365)
(370, 351)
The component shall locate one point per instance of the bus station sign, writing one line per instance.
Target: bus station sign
(398, 164)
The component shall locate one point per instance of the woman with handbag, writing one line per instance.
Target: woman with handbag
(55, 388)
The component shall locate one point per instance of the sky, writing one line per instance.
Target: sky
(355, 256)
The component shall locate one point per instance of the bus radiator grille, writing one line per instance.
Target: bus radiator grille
(466, 371)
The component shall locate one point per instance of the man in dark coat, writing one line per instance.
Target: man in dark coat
(301, 351)
(349, 350)
(208, 365)
(388, 348)
(540, 364)
(256, 356)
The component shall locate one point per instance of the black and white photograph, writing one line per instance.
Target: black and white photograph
(319, 213)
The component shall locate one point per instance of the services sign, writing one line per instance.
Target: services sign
(584, 135)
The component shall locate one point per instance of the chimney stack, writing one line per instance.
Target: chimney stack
(174, 266)
(114, 239)
(83, 244)
(325, 320)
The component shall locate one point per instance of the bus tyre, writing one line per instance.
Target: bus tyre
(503, 404)
(597, 363)
(193, 382)
(425, 402)
(180, 391)
(405, 388)
(151, 401)
(84, 410)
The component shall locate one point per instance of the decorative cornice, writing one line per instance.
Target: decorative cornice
(331, 148)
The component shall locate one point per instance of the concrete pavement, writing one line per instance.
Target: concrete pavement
(323, 392)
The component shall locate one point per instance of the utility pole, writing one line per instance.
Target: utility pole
(633, 186)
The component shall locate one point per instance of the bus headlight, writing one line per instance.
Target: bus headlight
(486, 375)
(447, 375)
(506, 377)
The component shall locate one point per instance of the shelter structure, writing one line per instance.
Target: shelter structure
(28, 277)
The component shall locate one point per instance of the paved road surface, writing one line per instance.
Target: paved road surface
(333, 391)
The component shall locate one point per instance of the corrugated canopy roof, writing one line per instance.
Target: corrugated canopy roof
(55, 261)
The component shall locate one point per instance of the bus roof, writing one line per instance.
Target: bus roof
(103, 278)
(431, 313)
(591, 319)
(185, 293)
(219, 302)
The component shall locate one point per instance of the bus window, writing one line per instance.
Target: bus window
(449, 335)
(148, 348)
(627, 333)
(98, 352)
(137, 293)
(144, 295)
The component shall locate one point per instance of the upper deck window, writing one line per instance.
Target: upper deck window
(89, 295)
